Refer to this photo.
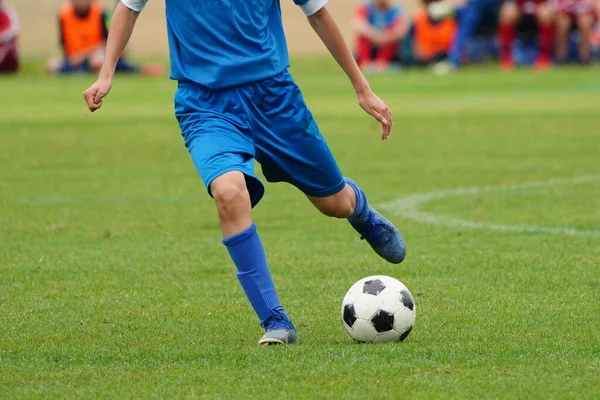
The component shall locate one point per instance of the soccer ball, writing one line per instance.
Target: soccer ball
(378, 309)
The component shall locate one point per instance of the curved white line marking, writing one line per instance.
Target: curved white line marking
(409, 207)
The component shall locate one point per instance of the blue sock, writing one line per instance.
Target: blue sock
(247, 252)
(361, 211)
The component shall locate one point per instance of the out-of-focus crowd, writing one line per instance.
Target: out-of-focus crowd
(445, 34)
(448, 34)
(83, 27)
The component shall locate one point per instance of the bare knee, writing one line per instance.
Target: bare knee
(545, 14)
(54, 65)
(96, 59)
(585, 23)
(95, 65)
(339, 205)
(231, 196)
(563, 25)
(509, 13)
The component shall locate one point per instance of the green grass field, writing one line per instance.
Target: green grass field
(114, 283)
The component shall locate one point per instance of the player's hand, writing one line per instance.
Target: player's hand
(94, 95)
(378, 110)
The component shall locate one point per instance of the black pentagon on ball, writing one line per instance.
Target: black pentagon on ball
(405, 334)
(383, 321)
(349, 315)
(373, 287)
(407, 300)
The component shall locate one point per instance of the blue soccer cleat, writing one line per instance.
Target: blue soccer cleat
(279, 330)
(381, 234)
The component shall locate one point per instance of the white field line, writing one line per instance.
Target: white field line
(410, 207)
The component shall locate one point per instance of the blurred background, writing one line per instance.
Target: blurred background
(39, 27)
(384, 34)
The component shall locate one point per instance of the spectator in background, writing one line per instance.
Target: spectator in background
(526, 13)
(83, 28)
(583, 14)
(477, 19)
(380, 26)
(434, 28)
(595, 39)
(9, 31)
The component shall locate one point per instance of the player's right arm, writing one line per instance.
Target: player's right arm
(120, 31)
(327, 29)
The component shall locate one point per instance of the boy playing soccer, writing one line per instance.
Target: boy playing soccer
(236, 102)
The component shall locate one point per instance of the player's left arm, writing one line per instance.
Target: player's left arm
(325, 26)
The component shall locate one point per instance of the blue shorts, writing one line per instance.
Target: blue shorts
(226, 130)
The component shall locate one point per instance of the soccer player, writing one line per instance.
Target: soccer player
(9, 31)
(528, 13)
(380, 26)
(237, 102)
(583, 14)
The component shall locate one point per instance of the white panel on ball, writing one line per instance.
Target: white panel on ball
(391, 300)
(404, 319)
(366, 306)
(353, 293)
(363, 330)
(389, 336)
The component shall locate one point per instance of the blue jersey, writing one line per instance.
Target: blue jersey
(226, 43)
